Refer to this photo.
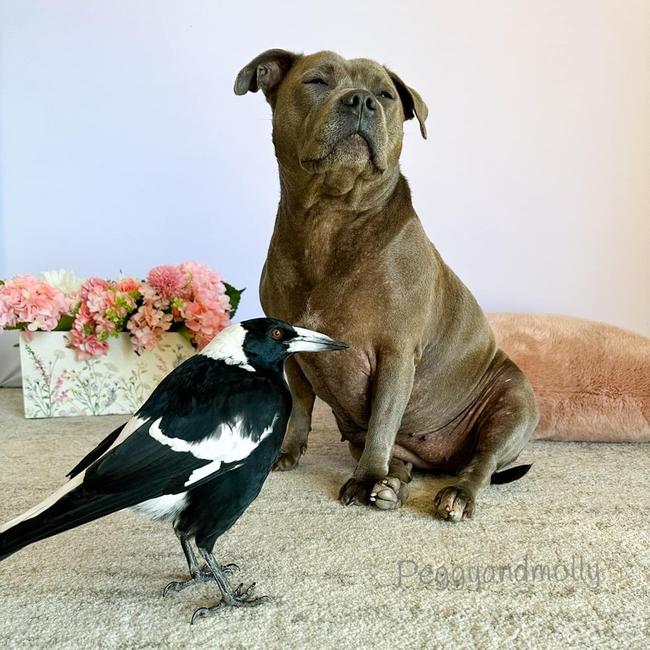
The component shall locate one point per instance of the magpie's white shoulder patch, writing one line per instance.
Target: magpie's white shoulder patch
(228, 346)
(226, 445)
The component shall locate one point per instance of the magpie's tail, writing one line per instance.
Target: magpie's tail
(510, 474)
(67, 508)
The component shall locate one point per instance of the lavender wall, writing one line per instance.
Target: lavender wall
(122, 145)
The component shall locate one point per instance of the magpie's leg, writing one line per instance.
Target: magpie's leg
(197, 575)
(239, 597)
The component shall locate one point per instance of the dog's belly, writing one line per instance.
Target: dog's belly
(431, 436)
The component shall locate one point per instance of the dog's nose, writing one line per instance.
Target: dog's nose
(358, 101)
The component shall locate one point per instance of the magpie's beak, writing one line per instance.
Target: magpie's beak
(310, 341)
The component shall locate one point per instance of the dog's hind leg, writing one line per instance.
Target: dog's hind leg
(299, 426)
(507, 425)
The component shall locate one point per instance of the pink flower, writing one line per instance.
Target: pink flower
(103, 311)
(206, 319)
(26, 300)
(93, 286)
(86, 346)
(169, 281)
(128, 285)
(147, 326)
(197, 297)
(190, 294)
(83, 339)
(202, 279)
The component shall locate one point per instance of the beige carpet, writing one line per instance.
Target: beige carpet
(333, 572)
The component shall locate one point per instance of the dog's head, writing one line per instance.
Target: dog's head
(330, 112)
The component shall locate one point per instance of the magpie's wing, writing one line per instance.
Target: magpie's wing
(96, 453)
(200, 421)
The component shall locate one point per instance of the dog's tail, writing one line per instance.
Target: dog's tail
(509, 475)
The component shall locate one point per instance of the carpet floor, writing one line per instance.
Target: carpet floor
(559, 559)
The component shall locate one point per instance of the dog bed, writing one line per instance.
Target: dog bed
(591, 380)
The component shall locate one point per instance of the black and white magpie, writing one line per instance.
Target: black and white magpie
(196, 453)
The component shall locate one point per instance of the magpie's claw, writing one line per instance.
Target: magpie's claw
(228, 569)
(235, 600)
(205, 575)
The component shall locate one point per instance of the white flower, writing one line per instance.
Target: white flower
(64, 280)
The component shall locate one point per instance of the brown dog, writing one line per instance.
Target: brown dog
(424, 383)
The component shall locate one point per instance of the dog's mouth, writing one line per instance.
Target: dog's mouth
(355, 145)
(352, 149)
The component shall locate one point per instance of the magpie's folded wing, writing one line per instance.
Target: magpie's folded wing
(170, 452)
(97, 452)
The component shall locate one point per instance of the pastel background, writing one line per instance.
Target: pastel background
(123, 146)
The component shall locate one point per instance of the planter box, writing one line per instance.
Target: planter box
(56, 384)
(9, 359)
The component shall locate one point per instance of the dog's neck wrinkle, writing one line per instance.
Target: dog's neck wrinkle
(347, 192)
(325, 217)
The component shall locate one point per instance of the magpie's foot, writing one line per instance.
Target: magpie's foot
(204, 575)
(240, 597)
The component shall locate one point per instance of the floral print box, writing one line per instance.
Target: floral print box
(56, 384)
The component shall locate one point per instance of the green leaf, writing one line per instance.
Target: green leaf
(64, 324)
(185, 333)
(235, 297)
(19, 326)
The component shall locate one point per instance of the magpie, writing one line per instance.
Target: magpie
(196, 453)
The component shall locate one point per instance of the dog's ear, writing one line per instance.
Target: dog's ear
(412, 103)
(265, 72)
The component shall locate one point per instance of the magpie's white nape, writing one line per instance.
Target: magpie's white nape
(196, 453)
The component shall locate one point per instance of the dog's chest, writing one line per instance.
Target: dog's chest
(328, 250)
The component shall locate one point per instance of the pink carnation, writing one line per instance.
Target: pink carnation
(205, 320)
(147, 326)
(86, 346)
(92, 287)
(103, 311)
(83, 338)
(206, 308)
(202, 279)
(190, 295)
(128, 285)
(169, 281)
(24, 299)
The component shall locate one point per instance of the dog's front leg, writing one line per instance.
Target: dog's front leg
(374, 482)
(299, 426)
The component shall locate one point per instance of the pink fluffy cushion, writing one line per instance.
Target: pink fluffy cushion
(591, 380)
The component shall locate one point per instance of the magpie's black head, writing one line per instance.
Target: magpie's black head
(266, 343)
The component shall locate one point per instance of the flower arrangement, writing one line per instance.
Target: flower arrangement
(188, 298)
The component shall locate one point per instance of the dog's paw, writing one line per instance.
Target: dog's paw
(389, 493)
(454, 503)
(287, 460)
(386, 494)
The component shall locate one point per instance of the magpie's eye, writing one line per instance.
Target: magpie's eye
(385, 94)
(316, 81)
(276, 334)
